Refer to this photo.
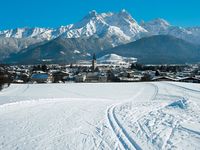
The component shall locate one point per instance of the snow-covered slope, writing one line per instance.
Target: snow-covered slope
(159, 115)
(14, 45)
(115, 59)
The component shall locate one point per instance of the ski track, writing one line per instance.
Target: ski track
(181, 87)
(186, 92)
(123, 136)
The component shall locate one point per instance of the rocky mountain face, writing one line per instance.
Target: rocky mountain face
(100, 31)
(14, 45)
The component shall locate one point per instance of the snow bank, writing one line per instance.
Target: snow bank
(182, 104)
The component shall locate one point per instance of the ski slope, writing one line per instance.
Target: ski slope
(157, 115)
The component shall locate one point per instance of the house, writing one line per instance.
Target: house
(102, 77)
(60, 76)
(41, 78)
(92, 77)
(96, 77)
(20, 78)
(125, 79)
(111, 76)
(70, 78)
(80, 77)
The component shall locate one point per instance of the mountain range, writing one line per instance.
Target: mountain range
(98, 33)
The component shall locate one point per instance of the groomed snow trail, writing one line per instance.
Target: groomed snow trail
(159, 115)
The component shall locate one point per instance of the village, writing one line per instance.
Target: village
(92, 71)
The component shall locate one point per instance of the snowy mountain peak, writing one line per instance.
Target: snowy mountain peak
(156, 26)
(119, 27)
(90, 15)
(161, 21)
(93, 13)
(124, 12)
(126, 15)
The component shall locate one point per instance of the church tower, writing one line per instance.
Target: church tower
(94, 62)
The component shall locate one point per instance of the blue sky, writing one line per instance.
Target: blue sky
(53, 13)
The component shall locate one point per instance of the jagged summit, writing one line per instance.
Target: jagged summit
(124, 12)
(160, 21)
(156, 26)
(91, 14)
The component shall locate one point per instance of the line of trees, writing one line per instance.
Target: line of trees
(162, 68)
(5, 77)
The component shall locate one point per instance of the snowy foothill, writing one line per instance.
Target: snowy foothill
(153, 115)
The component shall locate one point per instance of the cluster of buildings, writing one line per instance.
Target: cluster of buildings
(94, 72)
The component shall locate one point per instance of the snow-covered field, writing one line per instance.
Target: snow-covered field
(158, 115)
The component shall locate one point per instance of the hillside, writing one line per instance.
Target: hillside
(161, 49)
(60, 50)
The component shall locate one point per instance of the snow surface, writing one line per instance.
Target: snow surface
(76, 52)
(158, 115)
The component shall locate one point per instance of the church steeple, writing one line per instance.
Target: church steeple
(94, 62)
(94, 56)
